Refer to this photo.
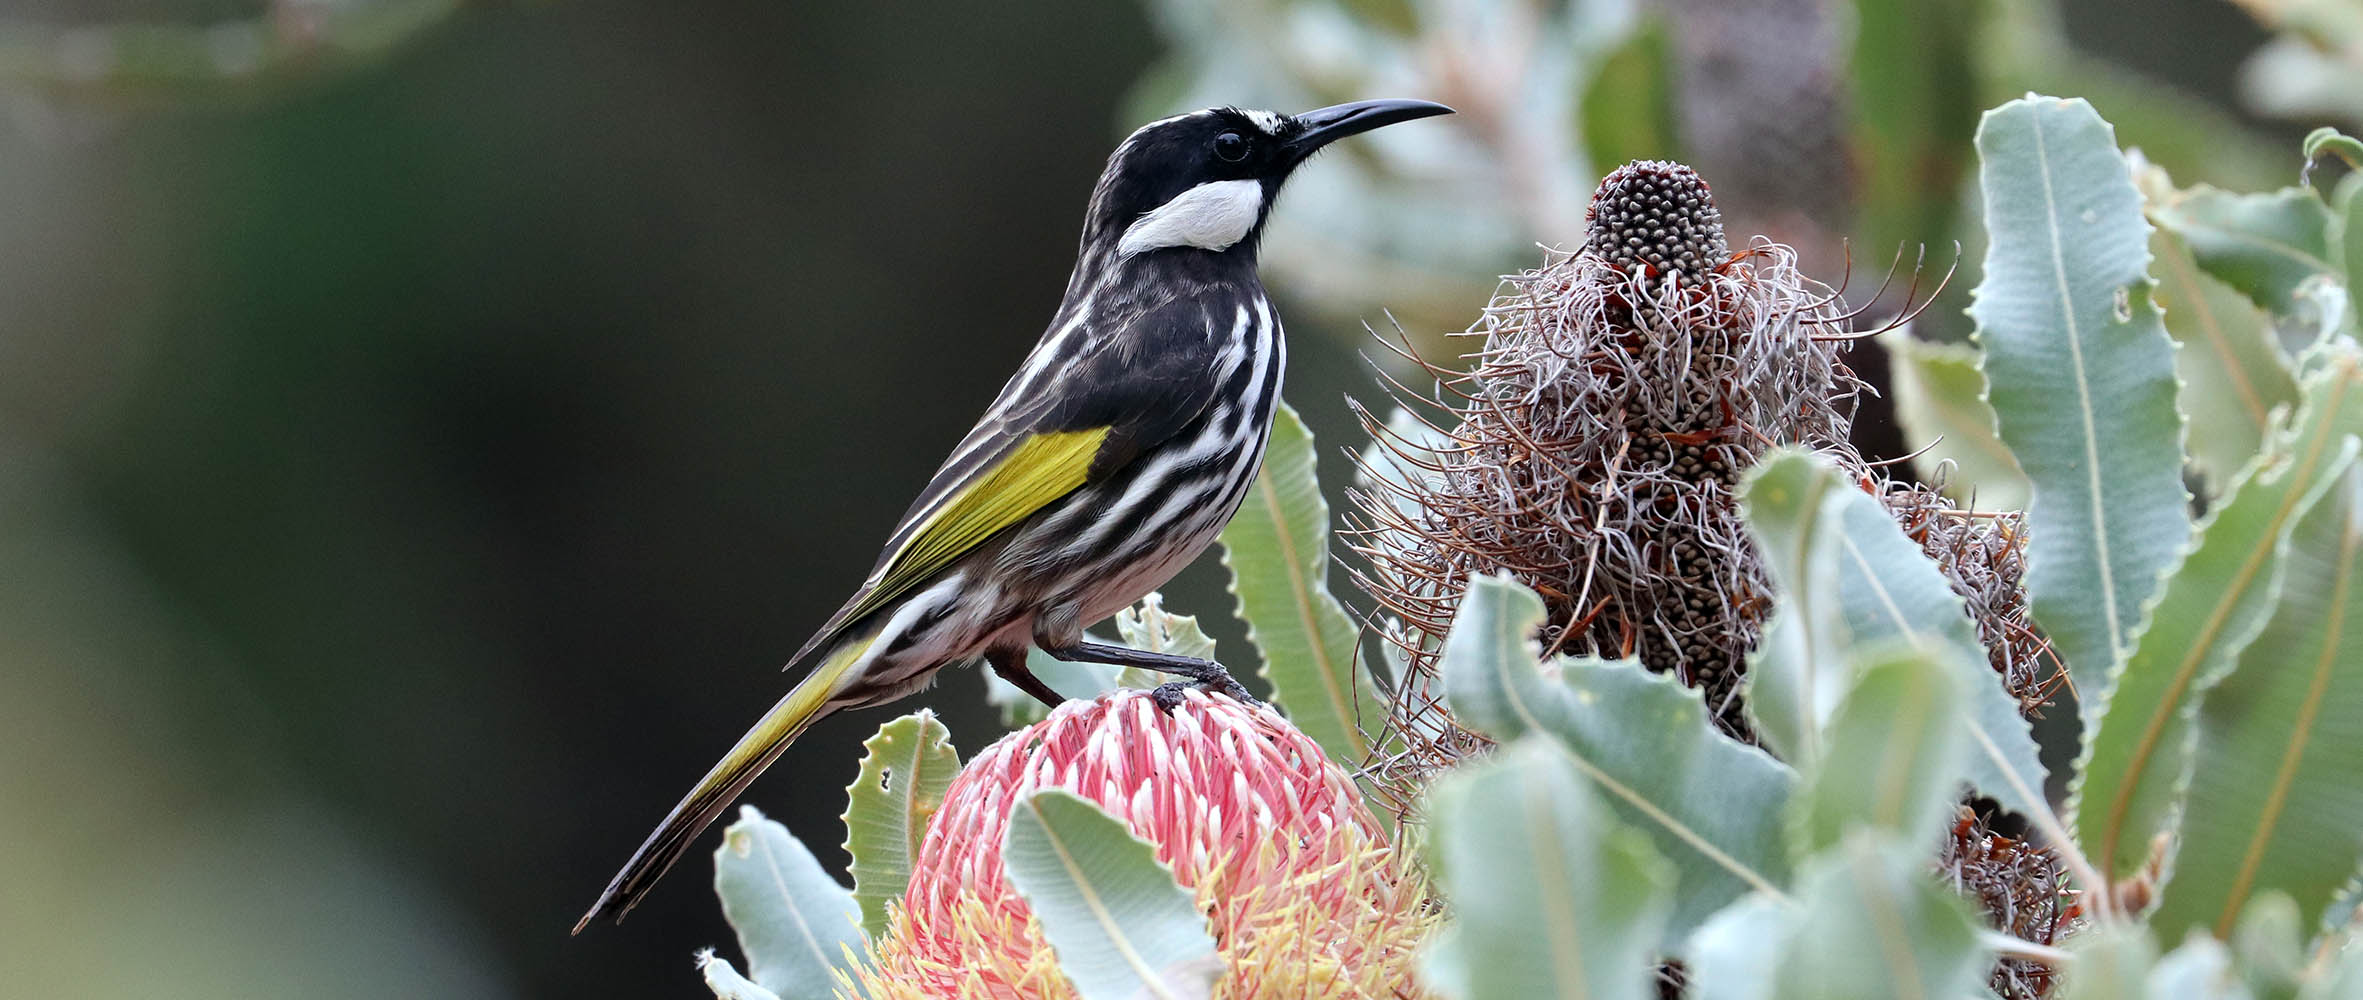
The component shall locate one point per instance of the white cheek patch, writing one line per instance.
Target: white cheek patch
(1211, 216)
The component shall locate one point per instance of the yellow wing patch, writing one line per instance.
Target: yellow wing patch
(1039, 470)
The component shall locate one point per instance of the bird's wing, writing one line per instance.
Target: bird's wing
(1044, 438)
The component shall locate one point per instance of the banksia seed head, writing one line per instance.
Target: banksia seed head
(1984, 556)
(1295, 875)
(1595, 445)
(2021, 889)
(1657, 217)
(1592, 449)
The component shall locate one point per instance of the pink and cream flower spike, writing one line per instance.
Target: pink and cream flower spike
(1301, 888)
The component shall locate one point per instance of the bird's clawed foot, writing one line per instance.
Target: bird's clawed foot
(1168, 696)
(1223, 683)
(1204, 674)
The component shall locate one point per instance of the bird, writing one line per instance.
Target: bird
(1116, 453)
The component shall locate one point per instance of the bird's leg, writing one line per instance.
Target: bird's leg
(1011, 665)
(1205, 673)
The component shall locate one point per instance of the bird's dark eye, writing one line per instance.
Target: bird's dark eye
(1231, 146)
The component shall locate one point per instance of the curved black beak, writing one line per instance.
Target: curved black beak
(1327, 125)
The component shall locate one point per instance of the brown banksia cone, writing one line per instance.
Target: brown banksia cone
(1593, 448)
(1596, 442)
(2021, 888)
(1984, 556)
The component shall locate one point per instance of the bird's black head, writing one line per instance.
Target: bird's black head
(1205, 181)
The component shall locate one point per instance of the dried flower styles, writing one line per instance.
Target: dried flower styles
(1983, 556)
(1594, 445)
(2020, 888)
(1593, 449)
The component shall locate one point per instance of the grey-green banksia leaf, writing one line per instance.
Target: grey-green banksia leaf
(724, 979)
(1713, 807)
(1552, 895)
(2265, 245)
(1896, 747)
(2137, 751)
(1122, 928)
(1800, 671)
(2235, 377)
(1886, 589)
(1940, 400)
(1866, 923)
(904, 771)
(795, 924)
(2275, 804)
(2081, 376)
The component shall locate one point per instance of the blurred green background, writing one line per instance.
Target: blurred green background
(424, 425)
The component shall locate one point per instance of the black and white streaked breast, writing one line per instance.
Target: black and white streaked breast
(1114, 541)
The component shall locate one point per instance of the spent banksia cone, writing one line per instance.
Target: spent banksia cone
(1295, 874)
(1596, 443)
(1593, 450)
(1594, 447)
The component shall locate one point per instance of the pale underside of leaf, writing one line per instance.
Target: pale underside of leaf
(724, 979)
(794, 922)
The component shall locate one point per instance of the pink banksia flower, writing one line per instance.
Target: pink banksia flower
(1300, 887)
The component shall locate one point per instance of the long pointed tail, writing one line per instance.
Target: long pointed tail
(803, 706)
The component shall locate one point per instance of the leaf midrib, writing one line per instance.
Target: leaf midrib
(2075, 339)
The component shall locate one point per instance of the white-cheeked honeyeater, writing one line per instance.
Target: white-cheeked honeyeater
(1111, 459)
